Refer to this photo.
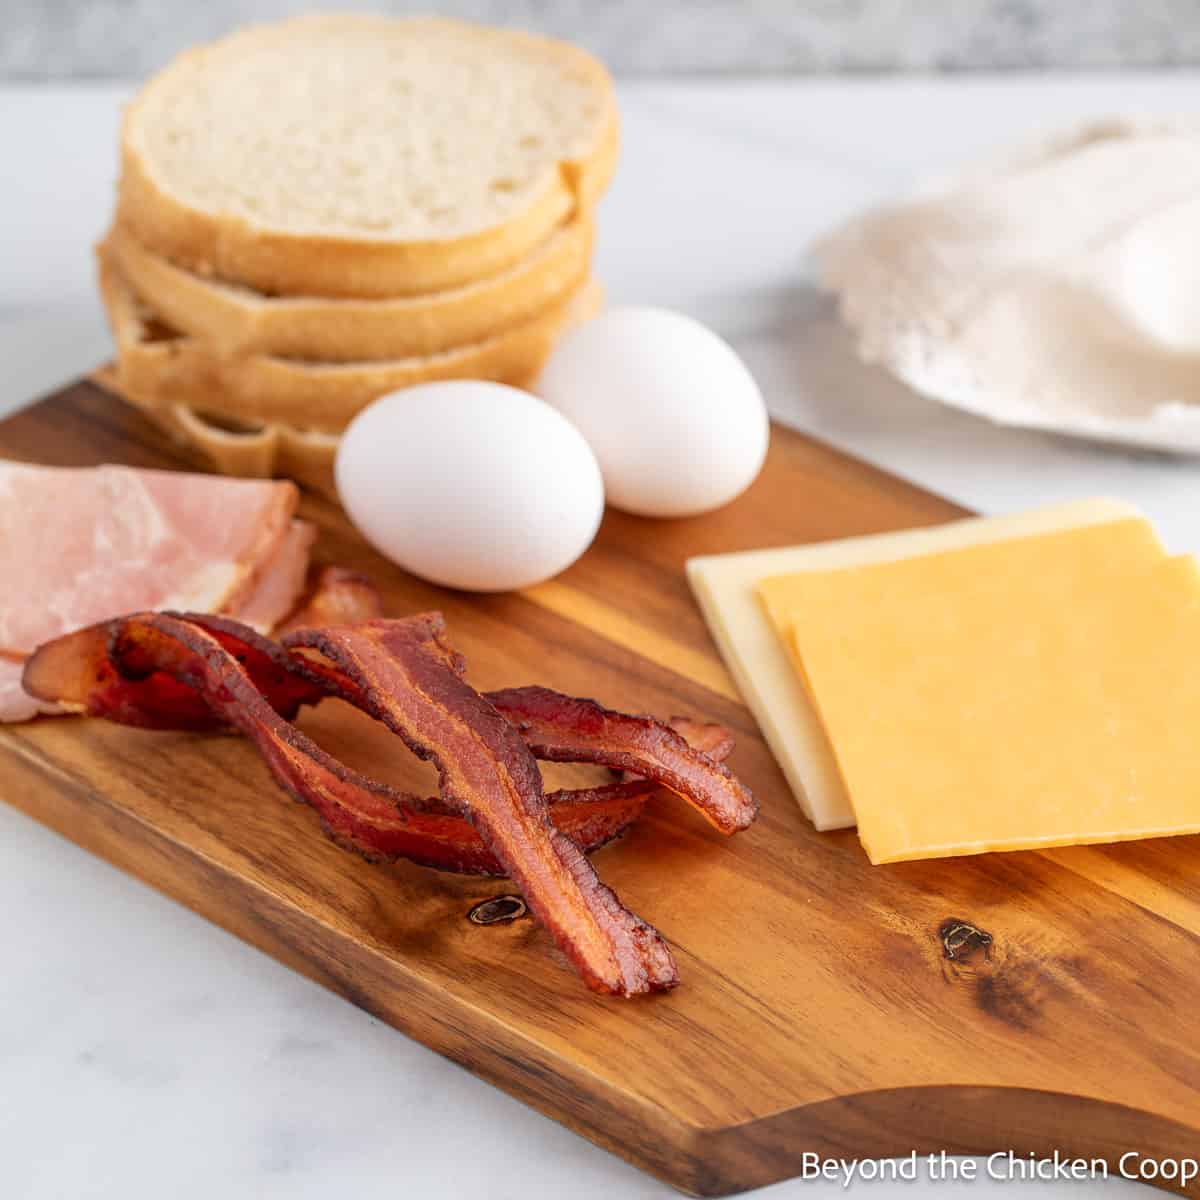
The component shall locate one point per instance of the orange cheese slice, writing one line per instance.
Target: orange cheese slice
(1042, 691)
(726, 585)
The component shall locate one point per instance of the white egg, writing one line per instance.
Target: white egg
(675, 418)
(470, 485)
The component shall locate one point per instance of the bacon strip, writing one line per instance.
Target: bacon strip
(163, 670)
(361, 814)
(337, 596)
(77, 672)
(562, 728)
(590, 817)
(408, 677)
(100, 672)
(155, 650)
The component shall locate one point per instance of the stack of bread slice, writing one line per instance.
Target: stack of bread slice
(314, 213)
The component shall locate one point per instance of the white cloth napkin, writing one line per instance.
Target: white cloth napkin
(1055, 288)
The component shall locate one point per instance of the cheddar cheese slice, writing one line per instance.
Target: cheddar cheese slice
(725, 587)
(1040, 692)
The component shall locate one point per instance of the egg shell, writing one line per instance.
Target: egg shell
(676, 420)
(471, 485)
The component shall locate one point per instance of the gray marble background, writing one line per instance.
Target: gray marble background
(56, 39)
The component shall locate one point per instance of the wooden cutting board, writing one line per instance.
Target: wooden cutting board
(1037, 1002)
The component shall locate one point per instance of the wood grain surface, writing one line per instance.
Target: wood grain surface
(827, 1006)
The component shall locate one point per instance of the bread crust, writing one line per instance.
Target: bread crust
(273, 448)
(261, 452)
(235, 321)
(162, 367)
(276, 261)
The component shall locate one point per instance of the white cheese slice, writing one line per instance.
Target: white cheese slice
(725, 584)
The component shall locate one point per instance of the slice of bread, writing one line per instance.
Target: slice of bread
(237, 448)
(164, 367)
(368, 156)
(235, 320)
(262, 450)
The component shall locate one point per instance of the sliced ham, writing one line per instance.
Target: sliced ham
(15, 703)
(80, 545)
(280, 581)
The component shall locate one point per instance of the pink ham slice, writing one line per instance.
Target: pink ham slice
(280, 582)
(80, 545)
(15, 703)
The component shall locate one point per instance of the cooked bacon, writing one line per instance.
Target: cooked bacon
(78, 672)
(562, 728)
(706, 737)
(200, 671)
(406, 674)
(338, 596)
(102, 671)
(436, 837)
(590, 817)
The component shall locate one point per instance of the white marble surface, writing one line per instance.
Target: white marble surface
(145, 1053)
(115, 39)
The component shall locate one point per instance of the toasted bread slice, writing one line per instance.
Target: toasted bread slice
(236, 320)
(367, 156)
(162, 366)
